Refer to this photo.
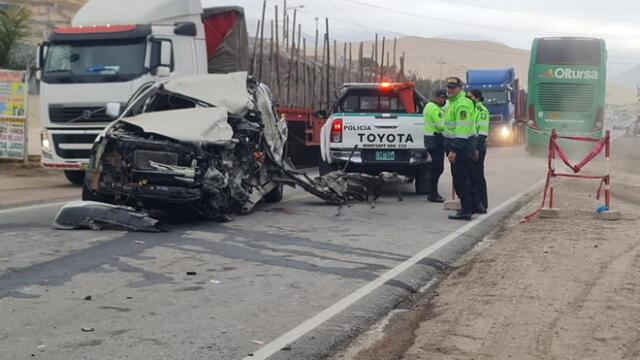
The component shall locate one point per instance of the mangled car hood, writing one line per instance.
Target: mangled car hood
(227, 91)
(206, 125)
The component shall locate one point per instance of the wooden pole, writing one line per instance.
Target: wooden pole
(255, 49)
(402, 59)
(373, 63)
(277, 74)
(376, 61)
(271, 70)
(360, 61)
(350, 62)
(264, 9)
(304, 73)
(297, 95)
(344, 64)
(382, 59)
(285, 26)
(335, 64)
(328, 79)
(322, 71)
(394, 72)
(315, 62)
(291, 58)
(390, 76)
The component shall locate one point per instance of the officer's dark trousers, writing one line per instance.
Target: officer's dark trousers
(479, 182)
(461, 171)
(437, 168)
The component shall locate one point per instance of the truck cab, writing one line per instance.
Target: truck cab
(376, 127)
(113, 49)
(503, 100)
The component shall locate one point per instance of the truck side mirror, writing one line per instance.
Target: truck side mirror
(113, 110)
(42, 49)
(39, 75)
(321, 114)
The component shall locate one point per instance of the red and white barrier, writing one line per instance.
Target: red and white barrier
(555, 151)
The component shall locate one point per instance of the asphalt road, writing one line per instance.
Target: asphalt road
(298, 272)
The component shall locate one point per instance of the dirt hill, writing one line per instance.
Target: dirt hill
(48, 14)
(434, 58)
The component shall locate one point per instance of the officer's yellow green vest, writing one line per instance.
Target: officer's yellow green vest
(481, 119)
(458, 119)
(433, 119)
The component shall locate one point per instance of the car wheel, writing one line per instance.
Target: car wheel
(75, 177)
(422, 180)
(275, 195)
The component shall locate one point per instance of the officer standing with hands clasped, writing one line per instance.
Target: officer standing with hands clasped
(479, 183)
(434, 142)
(459, 132)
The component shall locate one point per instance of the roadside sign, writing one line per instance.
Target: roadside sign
(13, 114)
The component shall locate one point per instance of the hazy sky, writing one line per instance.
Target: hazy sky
(512, 23)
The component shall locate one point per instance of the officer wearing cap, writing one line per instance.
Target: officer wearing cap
(459, 132)
(479, 183)
(433, 141)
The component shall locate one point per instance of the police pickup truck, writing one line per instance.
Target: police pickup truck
(375, 128)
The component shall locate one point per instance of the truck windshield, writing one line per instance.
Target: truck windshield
(95, 61)
(495, 97)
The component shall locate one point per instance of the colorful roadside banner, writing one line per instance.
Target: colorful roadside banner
(13, 114)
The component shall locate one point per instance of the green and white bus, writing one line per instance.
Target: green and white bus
(567, 83)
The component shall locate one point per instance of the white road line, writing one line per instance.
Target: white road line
(310, 324)
(32, 207)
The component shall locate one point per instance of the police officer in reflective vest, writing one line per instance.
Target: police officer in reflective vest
(459, 131)
(478, 181)
(433, 141)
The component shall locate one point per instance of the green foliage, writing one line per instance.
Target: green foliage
(14, 28)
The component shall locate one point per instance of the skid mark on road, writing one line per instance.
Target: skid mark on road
(59, 271)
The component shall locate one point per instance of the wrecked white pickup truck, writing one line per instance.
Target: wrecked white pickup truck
(211, 145)
(206, 143)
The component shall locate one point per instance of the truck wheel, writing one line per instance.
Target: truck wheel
(75, 177)
(422, 180)
(324, 168)
(275, 195)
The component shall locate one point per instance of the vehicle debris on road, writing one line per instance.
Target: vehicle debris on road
(97, 216)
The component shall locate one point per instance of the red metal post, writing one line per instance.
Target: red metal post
(552, 166)
(607, 179)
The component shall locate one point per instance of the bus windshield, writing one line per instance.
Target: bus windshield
(569, 52)
(93, 61)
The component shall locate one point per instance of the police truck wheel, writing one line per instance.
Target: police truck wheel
(275, 195)
(422, 180)
(75, 177)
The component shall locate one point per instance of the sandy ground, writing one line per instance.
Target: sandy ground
(25, 185)
(566, 288)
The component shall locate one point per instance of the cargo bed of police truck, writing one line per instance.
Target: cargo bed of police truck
(375, 127)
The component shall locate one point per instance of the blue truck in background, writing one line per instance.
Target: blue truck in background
(505, 102)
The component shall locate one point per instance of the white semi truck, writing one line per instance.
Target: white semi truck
(113, 49)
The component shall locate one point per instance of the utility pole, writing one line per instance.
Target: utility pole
(442, 63)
